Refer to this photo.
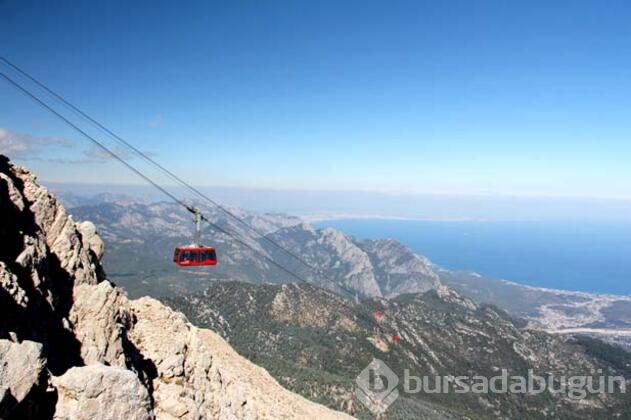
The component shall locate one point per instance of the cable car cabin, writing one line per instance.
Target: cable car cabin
(194, 256)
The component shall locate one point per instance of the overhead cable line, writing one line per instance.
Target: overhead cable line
(145, 177)
(170, 174)
(157, 165)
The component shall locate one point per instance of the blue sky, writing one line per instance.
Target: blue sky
(460, 97)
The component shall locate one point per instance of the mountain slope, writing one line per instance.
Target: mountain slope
(73, 346)
(316, 342)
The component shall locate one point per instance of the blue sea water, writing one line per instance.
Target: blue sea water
(591, 256)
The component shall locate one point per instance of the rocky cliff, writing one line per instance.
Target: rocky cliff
(73, 346)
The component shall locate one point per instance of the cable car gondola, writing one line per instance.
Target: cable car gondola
(196, 254)
(190, 256)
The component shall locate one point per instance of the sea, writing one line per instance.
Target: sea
(580, 256)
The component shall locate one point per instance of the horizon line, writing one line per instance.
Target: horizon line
(358, 191)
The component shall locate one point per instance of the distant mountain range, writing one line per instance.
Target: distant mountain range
(140, 238)
(313, 205)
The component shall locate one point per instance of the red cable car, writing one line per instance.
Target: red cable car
(191, 256)
(395, 339)
(195, 255)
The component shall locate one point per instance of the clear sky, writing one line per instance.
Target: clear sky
(457, 97)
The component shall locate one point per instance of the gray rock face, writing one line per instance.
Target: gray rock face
(74, 333)
(91, 239)
(4, 394)
(399, 270)
(383, 268)
(199, 376)
(22, 368)
(52, 283)
(10, 285)
(101, 317)
(58, 231)
(101, 392)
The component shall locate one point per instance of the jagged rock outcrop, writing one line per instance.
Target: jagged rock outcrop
(22, 369)
(101, 392)
(398, 269)
(382, 268)
(200, 376)
(73, 346)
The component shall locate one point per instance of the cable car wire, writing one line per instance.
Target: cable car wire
(146, 178)
(160, 167)
(177, 200)
(96, 142)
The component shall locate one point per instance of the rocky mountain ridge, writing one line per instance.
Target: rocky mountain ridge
(73, 346)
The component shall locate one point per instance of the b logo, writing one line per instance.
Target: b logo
(376, 387)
